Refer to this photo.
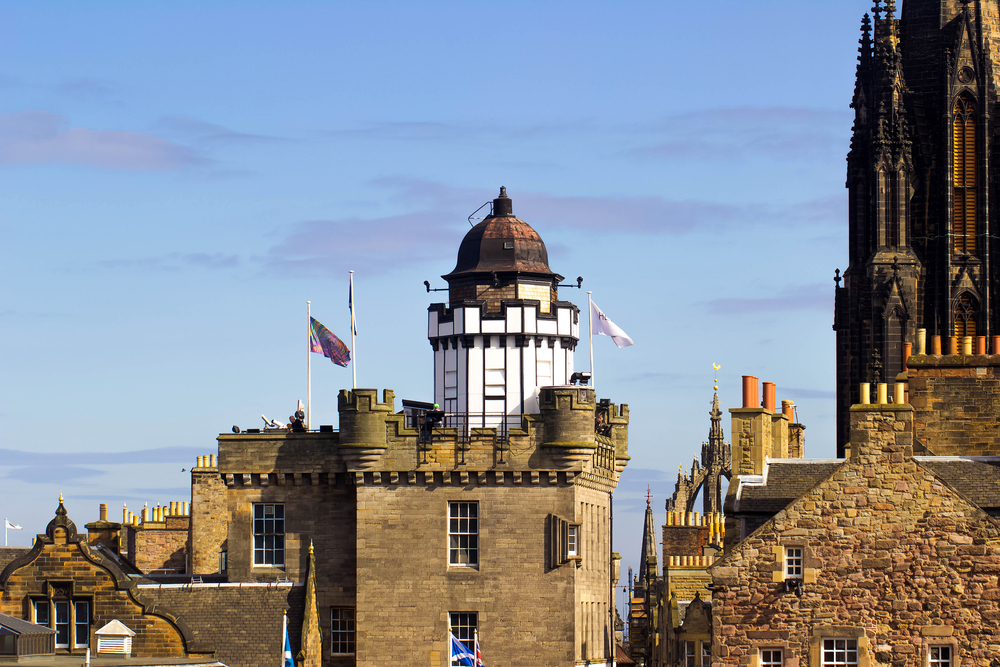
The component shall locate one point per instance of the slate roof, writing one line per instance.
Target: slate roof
(787, 480)
(22, 627)
(7, 554)
(978, 479)
(242, 623)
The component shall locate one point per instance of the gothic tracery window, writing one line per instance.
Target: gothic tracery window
(965, 316)
(964, 176)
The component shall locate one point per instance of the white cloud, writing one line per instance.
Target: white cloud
(42, 137)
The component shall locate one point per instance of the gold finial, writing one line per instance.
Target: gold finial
(716, 367)
(310, 546)
(60, 498)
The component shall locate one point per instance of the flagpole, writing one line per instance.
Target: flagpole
(590, 310)
(354, 356)
(284, 634)
(309, 367)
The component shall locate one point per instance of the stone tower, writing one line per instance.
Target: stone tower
(503, 333)
(919, 182)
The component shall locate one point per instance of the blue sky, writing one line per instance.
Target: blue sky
(179, 178)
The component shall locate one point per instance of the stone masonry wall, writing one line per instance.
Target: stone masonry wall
(155, 636)
(893, 558)
(209, 521)
(323, 512)
(956, 399)
(162, 546)
(409, 588)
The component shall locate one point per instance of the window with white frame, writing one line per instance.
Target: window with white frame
(706, 653)
(793, 562)
(690, 653)
(939, 656)
(81, 623)
(463, 626)
(771, 657)
(840, 653)
(69, 618)
(269, 534)
(342, 629)
(463, 533)
(573, 540)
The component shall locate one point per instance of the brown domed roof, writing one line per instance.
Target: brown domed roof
(502, 244)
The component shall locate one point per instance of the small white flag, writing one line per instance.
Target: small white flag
(8, 524)
(605, 327)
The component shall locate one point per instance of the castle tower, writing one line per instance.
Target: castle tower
(919, 182)
(503, 333)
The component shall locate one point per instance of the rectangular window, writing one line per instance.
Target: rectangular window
(840, 653)
(62, 624)
(463, 626)
(268, 534)
(572, 540)
(463, 533)
(689, 654)
(771, 657)
(343, 629)
(42, 613)
(940, 656)
(706, 653)
(793, 562)
(81, 623)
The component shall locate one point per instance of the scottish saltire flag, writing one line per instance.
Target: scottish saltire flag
(479, 654)
(286, 653)
(605, 327)
(323, 341)
(7, 523)
(460, 653)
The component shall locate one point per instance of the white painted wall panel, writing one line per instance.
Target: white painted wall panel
(530, 319)
(530, 396)
(549, 327)
(514, 320)
(565, 318)
(494, 326)
(471, 319)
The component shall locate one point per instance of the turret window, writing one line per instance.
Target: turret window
(964, 176)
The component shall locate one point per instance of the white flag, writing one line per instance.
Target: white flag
(8, 524)
(605, 327)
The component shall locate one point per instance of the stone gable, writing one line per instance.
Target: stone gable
(892, 556)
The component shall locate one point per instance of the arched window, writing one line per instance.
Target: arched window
(964, 176)
(965, 316)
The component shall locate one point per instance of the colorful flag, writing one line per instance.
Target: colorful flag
(323, 341)
(8, 524)
(286, 653)
(479, 654)
(605, 327)
(460, 653)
